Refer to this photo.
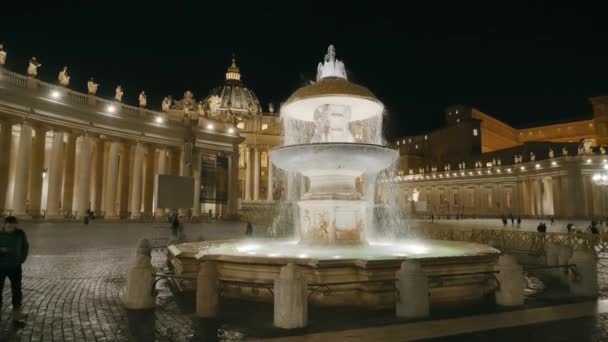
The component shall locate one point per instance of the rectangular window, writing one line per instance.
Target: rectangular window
(475, 132)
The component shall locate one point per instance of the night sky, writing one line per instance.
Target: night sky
(524, 65)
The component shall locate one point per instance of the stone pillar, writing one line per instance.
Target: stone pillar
(207, 290)
(140, 279)
(290, 299)
(269, 188)
(23, 170)
(196, 173)
(161, 170)
(70, 164)
(511, 282)
(233, 175)
(138, 165)
(37, 167)
(173, 168)
(584, 282)
(149, 182)
(256, 173)
(98, 170)
(6, 134)
(111, 180)
(125, 188)
(84, 176)
(552, 259)
(563, 258)
(413, 287)
(55, 176)
(247, 173)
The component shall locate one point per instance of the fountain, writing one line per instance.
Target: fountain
(333, 141)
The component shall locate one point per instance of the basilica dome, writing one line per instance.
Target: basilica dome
(233, 98)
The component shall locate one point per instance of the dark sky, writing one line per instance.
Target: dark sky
(522, 64)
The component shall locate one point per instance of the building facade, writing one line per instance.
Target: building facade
(65, 152)
(480, 166)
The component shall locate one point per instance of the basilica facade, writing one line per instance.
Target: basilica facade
(67, 152)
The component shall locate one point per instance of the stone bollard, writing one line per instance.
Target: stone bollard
(207, 290)
(510, 282)
(290, 299)
(584, 282)
(564, 255)
(552, 259)
(413, 286)
(140, 279)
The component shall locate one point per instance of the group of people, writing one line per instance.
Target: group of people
(505, 220)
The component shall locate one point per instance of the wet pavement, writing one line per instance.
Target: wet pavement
(75, 277)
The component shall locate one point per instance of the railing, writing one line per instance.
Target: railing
(515, 240)
(74, 97)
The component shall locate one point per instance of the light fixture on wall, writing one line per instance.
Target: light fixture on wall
(601, 178)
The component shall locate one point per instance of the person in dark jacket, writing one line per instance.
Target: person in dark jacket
(249, 229)
(14, 249)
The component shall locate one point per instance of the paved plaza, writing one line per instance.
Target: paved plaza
(75, 276)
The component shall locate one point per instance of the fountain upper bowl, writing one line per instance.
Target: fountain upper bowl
(346, 158)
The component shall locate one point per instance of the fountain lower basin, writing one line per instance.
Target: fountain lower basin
(343, 275)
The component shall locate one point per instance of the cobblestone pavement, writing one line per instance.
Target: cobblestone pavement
(74, 279)
(75, 276)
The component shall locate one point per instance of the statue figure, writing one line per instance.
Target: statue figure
(602, 150)
(271, 107)
(143, 101)
(532, 156)
(331, 67)
(411, 172)
(186, 111)
(92, 86)
(166, 104)
(32, 68)
(201, 108)
(551, 153)
(564, 151)
(63, 77)
(119, 93)
(415, 195)
(579, 150)
(587, 146)
(494, 161)
(2, 55)
(499, 161)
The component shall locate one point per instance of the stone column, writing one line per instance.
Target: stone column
(511, 280)
(207, 290)
(125, 173)
(23, 170)
(55, 176)
(247, 173)
(162, 169)
(137, 181)
(149, 182)
(256, 174)
(233, 175)
(584, 282)
(37, 167)
(290, 298)
(413, 287)
(6, 133)
(70, 164)
(196, 173)
(84, 176)
(269, 188)
(112, 180)
(98, 171)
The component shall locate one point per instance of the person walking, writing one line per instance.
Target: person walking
(14, 249)
(518, 221)
(249, 229)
